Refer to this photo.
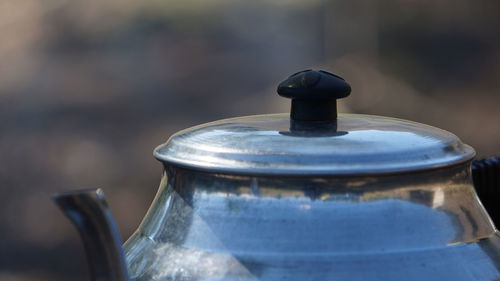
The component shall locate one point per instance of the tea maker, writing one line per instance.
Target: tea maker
(310, 195)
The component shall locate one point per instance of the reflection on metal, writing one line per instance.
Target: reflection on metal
(211, 266)
(419, 226)
(313, 196)
(264, 144)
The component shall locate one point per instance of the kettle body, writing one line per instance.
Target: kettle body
(310, 195)
(421, 226)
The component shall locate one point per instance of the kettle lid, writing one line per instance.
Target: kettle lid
(313, 139)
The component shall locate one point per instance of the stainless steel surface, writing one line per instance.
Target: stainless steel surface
(417, 226)
(89, 212)
(358, 144)
(314, 197)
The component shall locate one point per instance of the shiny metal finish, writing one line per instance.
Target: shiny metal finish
(418, 226)
(312, 196)
(89, 212)
(354, 145)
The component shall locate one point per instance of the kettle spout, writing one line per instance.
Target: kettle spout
(89, 212)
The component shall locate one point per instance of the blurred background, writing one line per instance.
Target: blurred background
(89, 88)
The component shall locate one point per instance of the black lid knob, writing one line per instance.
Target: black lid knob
(314, 94)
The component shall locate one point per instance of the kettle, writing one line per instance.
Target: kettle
(310, 195)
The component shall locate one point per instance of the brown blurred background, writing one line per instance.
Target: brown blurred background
(89, 88)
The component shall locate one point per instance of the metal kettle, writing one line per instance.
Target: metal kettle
(310, 195)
